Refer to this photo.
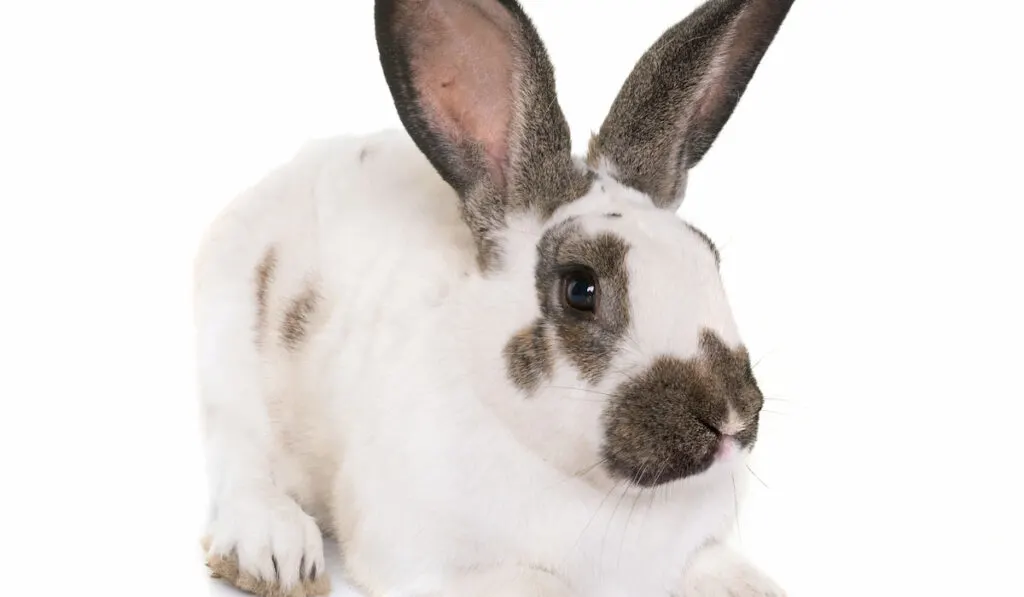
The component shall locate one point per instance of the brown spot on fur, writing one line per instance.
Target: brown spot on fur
(264, 277)
(589, 341)
(528, 357)
(296, 319)
(663, 424)
(225, 568)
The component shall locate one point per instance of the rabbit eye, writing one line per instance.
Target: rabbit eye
(581, 290)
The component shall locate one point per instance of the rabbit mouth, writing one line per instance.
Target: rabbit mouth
(678, 418)
(662, 463)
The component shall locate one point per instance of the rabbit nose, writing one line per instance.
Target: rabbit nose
(728, 446)
(733, 425)
(728, 434)
(727, 440)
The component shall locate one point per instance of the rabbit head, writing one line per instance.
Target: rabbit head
(618, 301)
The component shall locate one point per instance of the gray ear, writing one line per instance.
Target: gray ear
(473, 85)
(681, 93)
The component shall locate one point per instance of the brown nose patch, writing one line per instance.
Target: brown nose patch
(663, 424)
(587, 341)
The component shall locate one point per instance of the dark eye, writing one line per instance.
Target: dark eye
(581, 290)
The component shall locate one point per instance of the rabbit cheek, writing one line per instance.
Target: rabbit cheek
(528, 358)
(589, 344)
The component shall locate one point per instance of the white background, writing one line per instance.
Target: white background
(865, 195)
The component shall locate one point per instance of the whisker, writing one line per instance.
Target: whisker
(596, 510)
(736, 506)
(583, 399)
(653, 491)
(755, 475)
(650, 506)
(587, 470)
(624, 371)
(625, 527)
(762, 357)
(567, 479)
(585, 390)
(635, 342)
(661, 470)
(631, 509)
(611, 518)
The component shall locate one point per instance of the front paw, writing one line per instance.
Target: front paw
(717, 571)
(270, 548)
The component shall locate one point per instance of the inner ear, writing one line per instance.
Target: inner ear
(464, 72)
(681, 92)
(473, 86)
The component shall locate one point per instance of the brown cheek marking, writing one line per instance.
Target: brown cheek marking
(590, 343)
(296, 318)
(662, 425)
(528, 357)
(264, 277)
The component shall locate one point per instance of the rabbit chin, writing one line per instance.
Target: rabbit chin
(723, 465)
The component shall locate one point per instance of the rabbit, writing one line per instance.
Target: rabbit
(483, 364)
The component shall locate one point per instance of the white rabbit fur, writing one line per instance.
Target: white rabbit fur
(354, 380)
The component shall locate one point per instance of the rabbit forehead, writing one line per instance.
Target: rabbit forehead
(675, 290)
(659, 277)
(677, 294)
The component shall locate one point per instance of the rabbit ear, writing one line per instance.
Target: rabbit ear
(681, 93)
(473, 85)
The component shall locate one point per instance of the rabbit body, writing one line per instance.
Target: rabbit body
(369, 419)
(483, 364)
